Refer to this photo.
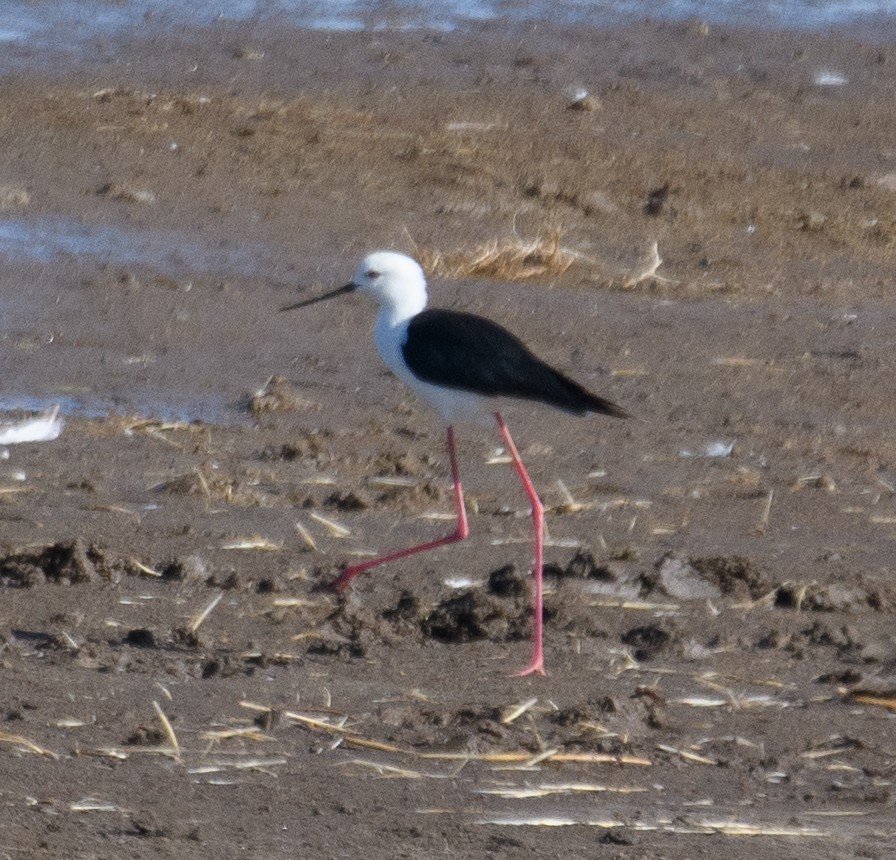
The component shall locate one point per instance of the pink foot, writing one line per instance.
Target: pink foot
(536, 667)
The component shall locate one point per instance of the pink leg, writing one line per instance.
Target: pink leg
(460, 531)
(536, 664)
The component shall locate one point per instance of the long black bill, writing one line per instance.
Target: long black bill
(331, 295)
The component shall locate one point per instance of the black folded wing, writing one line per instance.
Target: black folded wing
(469, 353)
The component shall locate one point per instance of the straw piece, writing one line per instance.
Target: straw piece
(648, 272)
(523, 756)
(25, 744)
(863, 697)
(837, 813)
(512, 792)
(146, 424)
(762, 525)
(155, 432)
(388, 770)
(148, 571)
(89, 804)
(536, 760)
(253, 706)
(112, 752)
(198, 619)
(257, 763)
(305, 535)
(744, 828)
(824, 753)
(334, 528)
(392, 481)
(251, 733)
(563, 543)
(498, 460)
(738, 361)
(699, 702)
(168, 729)
(686, 755)
(639, 605)
(735, 700)
(697, 826)
(252, 542)
(513, 712)
(569, 505)
(356, 741)
(315, 723)
(553, 821)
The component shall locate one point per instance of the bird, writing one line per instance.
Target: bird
(461, 365)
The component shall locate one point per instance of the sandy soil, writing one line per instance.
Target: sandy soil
(719, 630)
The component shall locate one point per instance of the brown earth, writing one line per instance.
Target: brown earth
(720, 642)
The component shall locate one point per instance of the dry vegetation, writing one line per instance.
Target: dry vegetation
(505, 259)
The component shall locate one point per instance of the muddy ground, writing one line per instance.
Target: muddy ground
(720, 645)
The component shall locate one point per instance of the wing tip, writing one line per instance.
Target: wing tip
(601, 406)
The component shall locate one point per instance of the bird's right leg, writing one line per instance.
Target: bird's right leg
(461, 530)
(536, 663)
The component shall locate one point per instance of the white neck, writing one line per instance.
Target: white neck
(398, 309)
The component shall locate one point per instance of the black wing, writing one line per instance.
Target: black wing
(467, 352)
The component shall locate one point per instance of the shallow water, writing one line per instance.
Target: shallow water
(168, 406)
(32, 338)
(61, 23)
(171, 252)
(167, 252)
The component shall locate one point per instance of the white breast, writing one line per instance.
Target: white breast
(453, 405)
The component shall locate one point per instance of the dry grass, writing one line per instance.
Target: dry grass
(279, 395)
(22, 743)
(504, 259)
(647, 270)
(515, 259)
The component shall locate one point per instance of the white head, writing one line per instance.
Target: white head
(395, 280)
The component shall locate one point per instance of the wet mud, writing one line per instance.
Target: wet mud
(178, 680)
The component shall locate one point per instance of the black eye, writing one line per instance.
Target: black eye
(370, 273)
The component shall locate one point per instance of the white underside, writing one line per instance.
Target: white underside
(453, 405)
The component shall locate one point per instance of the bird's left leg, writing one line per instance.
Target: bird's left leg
(461, 530)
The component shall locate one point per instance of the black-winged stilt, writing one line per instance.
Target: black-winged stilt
(458, 363)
